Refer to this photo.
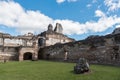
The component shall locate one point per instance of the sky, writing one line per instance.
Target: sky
(79, 18)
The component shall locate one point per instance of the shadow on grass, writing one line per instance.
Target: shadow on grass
(72, 72)
(89, 72)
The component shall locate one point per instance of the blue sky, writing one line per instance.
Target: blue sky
(79, 18)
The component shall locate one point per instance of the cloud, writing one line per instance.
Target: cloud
(61, 1)
(14, 15)
(117, 26)
(104, 22)
(99, 13)
(89, 5)
(72, 0)
(112, 4)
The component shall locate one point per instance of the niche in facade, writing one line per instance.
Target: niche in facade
(41, 42)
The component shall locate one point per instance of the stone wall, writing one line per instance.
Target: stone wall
(9, 53)
(95, 51)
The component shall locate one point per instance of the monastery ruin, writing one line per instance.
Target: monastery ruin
(54, 45)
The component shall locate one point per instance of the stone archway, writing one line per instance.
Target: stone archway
(27, 56)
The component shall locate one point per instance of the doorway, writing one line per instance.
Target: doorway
(27, 56)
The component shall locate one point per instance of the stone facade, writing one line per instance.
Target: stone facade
(23, 47)
(10, 46)
(55, 36)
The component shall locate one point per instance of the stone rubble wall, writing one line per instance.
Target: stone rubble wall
(99, 54)
(8, 53)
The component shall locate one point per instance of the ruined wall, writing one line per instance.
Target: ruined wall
(9, 53)
(95, 52)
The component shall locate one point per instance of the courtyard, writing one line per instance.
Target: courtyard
(47, 70)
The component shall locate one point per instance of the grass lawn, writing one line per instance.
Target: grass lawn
(44, 70)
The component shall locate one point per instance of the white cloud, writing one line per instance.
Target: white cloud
(89, 5)
(104, 22)
(72, 0)
(117, 26)
(60, 1)
(99, 13)
(13, 15)
(112, 4)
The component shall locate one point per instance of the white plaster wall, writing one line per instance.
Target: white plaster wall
(29, 43)
(13, 41)
(58, 39)
(52, 41)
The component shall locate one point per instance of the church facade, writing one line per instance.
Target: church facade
(23, 47)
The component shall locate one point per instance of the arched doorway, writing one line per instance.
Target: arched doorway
(27, 56)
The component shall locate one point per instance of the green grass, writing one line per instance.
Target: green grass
(44, 70)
